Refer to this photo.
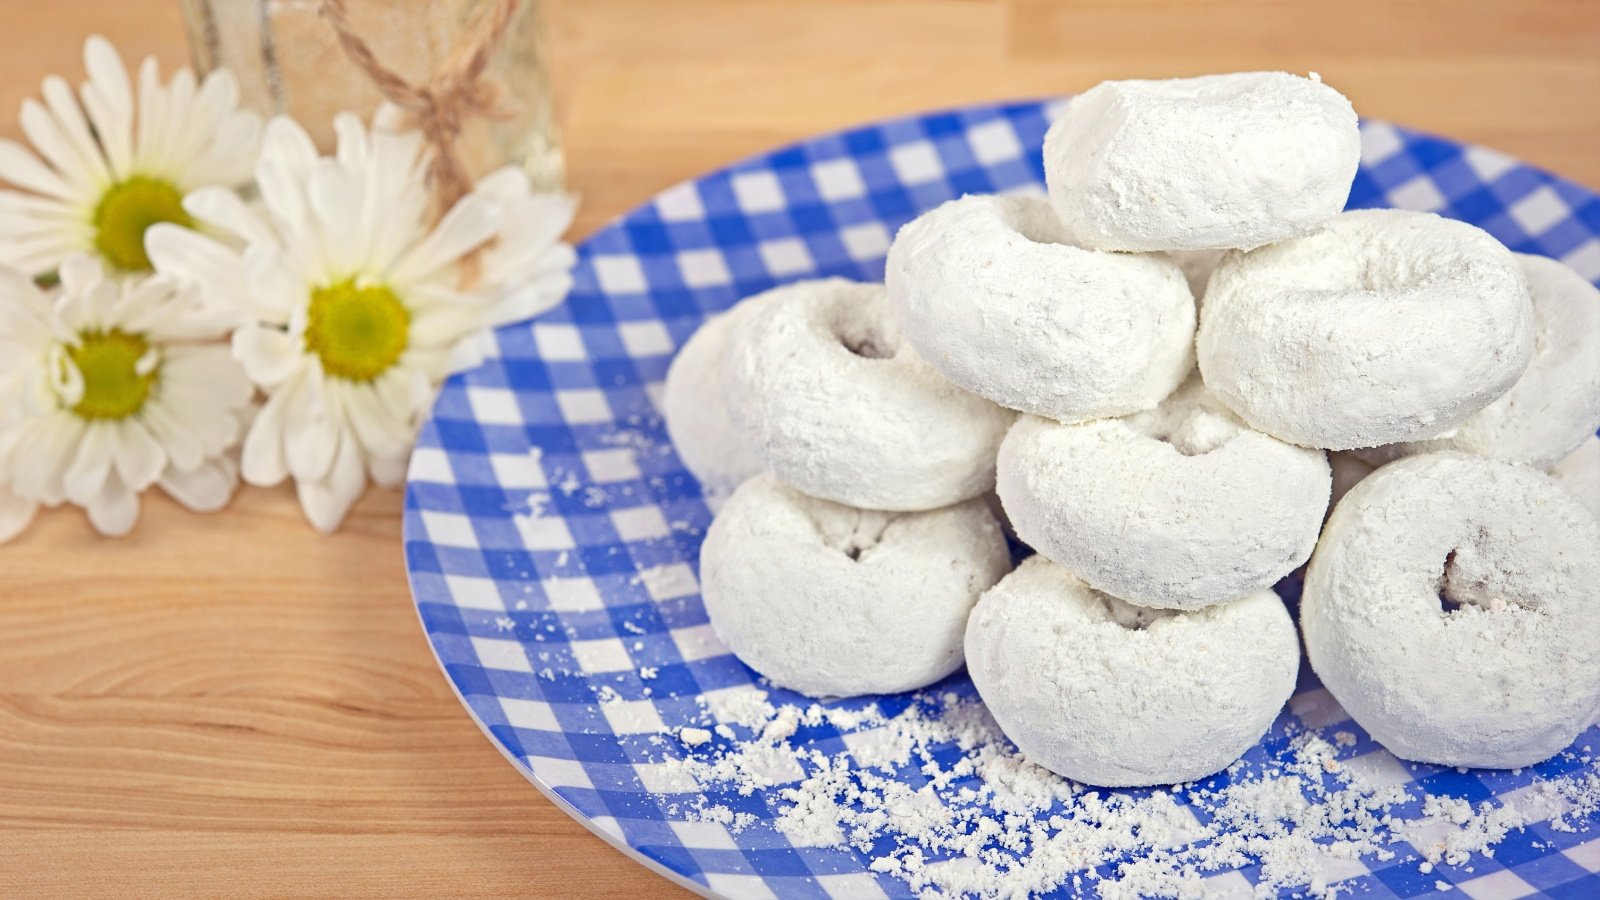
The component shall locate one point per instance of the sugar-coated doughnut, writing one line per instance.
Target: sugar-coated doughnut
(1385, 326)
(1179, 507)
(1235, 160)
(1505, 680)
(1579, 473)
(834, 601)
(988, 291)
(692, 403)
(1116, 695)
(1555, 405)
(840, 406)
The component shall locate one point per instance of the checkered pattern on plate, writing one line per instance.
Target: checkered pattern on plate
(552, 535)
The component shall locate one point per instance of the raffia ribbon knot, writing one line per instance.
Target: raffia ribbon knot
(456, 92)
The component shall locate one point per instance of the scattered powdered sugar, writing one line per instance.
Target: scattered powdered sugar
(944, 803)
(667, 581)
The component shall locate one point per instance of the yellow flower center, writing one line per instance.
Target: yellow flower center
(358, 331)
(126, 210)
(113, 388)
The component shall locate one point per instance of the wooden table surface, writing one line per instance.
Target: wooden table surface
(233, 705)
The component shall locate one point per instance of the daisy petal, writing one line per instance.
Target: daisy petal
(468, 224)
(51, 142)
(328, 500)
(69, 118)
(232, 154)
(15, 514)
(336, 206)
(21, 302)
(43, 453)
(90, 467)
(379, 433)
(395, 202)
(537, 221)
(311, 439)
(219, 93)
(269, 355)
(282, 195)
(151, 117)
(116, 510)
(81, 274)
(172, 152)
(197, 259)
(469, 353)
(19, 210)
(286, 144)
(206, 489)
(24, 170)
(108, 98)
(263, 462)
(388, 471)
(41, 252)
(185, 450)
(139, 458)
(211, 368)
(504, 184)
(225, 210)
(276, 293)
(351, 141)
(107, 71)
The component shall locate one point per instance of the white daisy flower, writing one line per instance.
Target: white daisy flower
(108, 389)
(110, 161)
(357, 304)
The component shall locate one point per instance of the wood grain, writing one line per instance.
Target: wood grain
(232, 705)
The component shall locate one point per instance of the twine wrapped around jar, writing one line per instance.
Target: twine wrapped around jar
(457, 90)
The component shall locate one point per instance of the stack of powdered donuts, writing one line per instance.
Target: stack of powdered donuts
(1150, 368)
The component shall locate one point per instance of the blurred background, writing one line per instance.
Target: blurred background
(651, 92)
(235, 705)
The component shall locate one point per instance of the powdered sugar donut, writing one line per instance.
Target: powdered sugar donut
(1235, 160)
(989, 292)
(1179, 507)
(841, 407)
(696, 413)
(1579, 473)
(1505, 680)
(1385, 326)
(834, 601)
(1555, 405)
(1110, 694)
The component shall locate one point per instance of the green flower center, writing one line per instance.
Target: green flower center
(109, 364)
(357, 331)
(126, 210)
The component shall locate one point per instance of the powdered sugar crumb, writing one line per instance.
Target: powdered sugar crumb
(947, 805)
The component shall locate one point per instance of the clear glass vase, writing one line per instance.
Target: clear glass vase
(288, 59)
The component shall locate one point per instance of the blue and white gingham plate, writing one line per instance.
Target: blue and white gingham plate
(552, 535)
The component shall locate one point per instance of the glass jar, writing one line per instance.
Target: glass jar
(288, 59)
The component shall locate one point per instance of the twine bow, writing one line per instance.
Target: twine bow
(454, 93)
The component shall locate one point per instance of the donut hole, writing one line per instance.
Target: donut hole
(854, 534)
(1380, 266)
(1463, 588)
(1194, 433)
(1128, 616)
(1031, 217)
(862, 334)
